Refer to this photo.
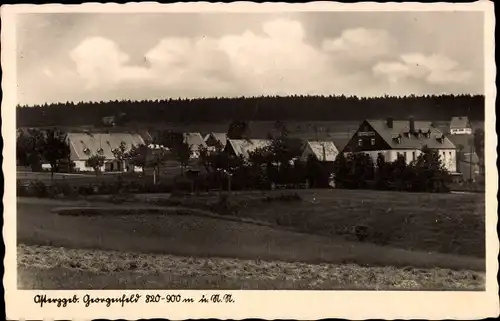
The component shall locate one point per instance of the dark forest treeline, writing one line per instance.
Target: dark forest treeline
(311, 108)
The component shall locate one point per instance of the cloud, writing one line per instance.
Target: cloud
(433, 69)
(99, 62)
(361, 44)
(278, 59)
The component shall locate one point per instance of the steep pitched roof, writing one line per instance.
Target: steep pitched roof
(80, 142)
(325, 151)
(459, 122)
(195, 140)
(401, 129)
(242, 147)
(146, 135)
(220, 137)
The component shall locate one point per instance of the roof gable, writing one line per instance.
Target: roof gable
(219, 137)
(194, 140)
(242, 147)
(325, 151)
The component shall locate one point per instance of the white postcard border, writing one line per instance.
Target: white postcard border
(259, 304)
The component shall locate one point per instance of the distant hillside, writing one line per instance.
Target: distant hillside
(222, 110)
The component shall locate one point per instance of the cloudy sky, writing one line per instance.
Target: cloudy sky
(88, 56)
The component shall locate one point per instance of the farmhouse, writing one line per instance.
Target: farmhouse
(460, 125)
(85, 145)
(242, 147)
(392, 138)
(214, 139)
(195, 140)
(324, 151)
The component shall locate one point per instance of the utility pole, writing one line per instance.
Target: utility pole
(470, 159)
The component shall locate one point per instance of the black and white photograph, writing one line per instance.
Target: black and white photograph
(299, 150)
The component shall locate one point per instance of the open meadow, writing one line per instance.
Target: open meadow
(254, 240)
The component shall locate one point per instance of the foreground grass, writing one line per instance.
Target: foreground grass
(188, 232)
(446, 223)
(44, 267)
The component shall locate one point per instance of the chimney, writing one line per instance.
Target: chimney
(390, 122)
(412, 125)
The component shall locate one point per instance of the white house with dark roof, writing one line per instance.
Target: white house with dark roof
(460, 125)
(324, 151)
(407, 138)
(85, 145)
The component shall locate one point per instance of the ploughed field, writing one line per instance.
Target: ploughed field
(432, 241)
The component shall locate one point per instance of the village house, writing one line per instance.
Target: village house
(85, 145)
(214, 139)
(460, 125)
(243, 147)
(324, 151)
(195, 141)
(393, 138)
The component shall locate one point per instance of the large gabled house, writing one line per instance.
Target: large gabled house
(85, 145)
(460, 125)
(406, 138)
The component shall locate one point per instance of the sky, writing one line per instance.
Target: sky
(92, 57)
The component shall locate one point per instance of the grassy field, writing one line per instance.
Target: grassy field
(443, 232)
(446, 223)
(169, 231)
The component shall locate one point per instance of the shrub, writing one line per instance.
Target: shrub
(121, 198)
(362, 232)
(283, 198)
(65, 189)
(85, 190)
(224, 206)
(38, 189)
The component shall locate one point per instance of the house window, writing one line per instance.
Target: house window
(360, 142)
(413, 156)
(372, 141)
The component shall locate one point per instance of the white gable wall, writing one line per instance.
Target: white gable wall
(448, 156)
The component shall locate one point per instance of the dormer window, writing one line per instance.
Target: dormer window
(100, 151)
(397, 139)
(86, 150)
